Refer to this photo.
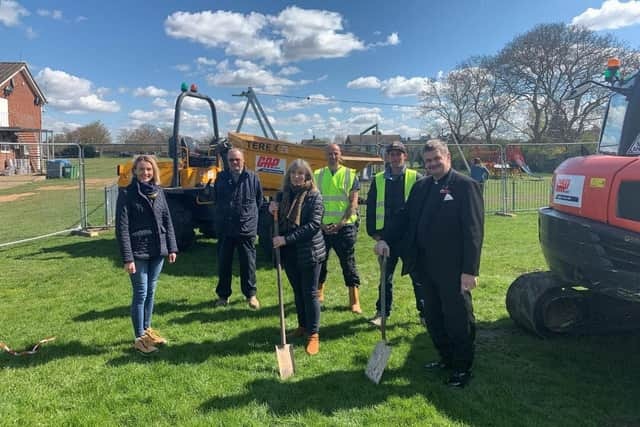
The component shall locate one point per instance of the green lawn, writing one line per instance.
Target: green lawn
(220, 367)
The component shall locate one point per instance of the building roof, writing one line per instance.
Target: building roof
(10, 69)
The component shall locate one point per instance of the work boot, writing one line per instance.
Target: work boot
(297, 333)
(313, 344)
(253, 302)
(354, 300)
(144, 346)
(321, 293)
(154, 337)
(221, 302)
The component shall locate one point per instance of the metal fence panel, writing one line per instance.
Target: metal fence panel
(35, 201)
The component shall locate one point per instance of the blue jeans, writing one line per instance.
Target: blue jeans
(144, 282)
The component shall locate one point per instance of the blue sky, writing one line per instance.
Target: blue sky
(122, 62)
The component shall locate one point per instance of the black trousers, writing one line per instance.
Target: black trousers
(304, 282)
(247, 255)
(344, 243)
(449, 315)
(392, 262)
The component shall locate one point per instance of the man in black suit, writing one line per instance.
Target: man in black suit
(441, 246)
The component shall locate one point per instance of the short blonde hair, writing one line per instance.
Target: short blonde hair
(154, 165)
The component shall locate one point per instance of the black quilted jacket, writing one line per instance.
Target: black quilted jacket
(144, 230)
(307, 238)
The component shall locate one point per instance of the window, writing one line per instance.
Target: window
(612, 130)
(5, 148)
(628, 200)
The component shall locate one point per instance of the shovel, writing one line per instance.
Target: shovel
(382, 350)
(284, 351)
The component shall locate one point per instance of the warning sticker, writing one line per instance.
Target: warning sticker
(635, 147)
(568, 190)
(269, 164)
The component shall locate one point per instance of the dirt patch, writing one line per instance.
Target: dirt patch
(58, 187)
(16, 180)
(14, 197)
(100, 182)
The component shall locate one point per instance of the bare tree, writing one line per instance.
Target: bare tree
(490, 99)
(449, 100)
(91, 134)
(144, 134)
(544, 64)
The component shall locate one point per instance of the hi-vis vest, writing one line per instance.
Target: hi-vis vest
(335, 193)
(409, 179)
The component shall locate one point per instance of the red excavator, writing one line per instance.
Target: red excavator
(590, 233)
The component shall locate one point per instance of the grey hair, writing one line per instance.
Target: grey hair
(436, 145)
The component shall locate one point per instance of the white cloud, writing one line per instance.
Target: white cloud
(335, 110)
(10, 12)
(160, 103)
(294, 34)
(58, 125)
(122, 90)
(365, 119)
(183, 68)
(246, 74)
(205, 62)
(81, 18)
(238, 34)
(300, 118)
(392, 40)
(55, 13)
(369, 82)
(289, 71)
(405, 130)
(364, 110)
(150, 92)
(313, 34)
(73, 94)
(611, 15)
(393, 87)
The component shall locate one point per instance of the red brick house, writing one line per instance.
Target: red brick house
(21, 102)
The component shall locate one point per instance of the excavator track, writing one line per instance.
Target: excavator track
(543, 304)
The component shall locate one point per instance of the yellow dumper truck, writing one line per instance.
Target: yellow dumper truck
(189, 176)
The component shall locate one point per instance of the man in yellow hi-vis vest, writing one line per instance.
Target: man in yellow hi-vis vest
(339, 187)
(387, 196)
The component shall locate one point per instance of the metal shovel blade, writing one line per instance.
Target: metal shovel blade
(284, 353)
(378, 361)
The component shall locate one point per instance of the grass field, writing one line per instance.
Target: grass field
(220, 367)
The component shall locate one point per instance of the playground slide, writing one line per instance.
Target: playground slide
(525, 168)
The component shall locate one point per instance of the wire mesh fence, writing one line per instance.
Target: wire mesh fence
(36, 202)
(71, 192)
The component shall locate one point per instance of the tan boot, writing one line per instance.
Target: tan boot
(144, 346)
(354, 300)
(253, 302)
(313, 344)
(321, 293)
(155, 338)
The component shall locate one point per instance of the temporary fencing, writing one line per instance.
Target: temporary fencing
(64, 191)
(41, 195)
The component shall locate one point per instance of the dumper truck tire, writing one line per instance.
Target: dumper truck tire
(182, 219)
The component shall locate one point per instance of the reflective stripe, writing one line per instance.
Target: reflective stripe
(410, 177)
(335, 189)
